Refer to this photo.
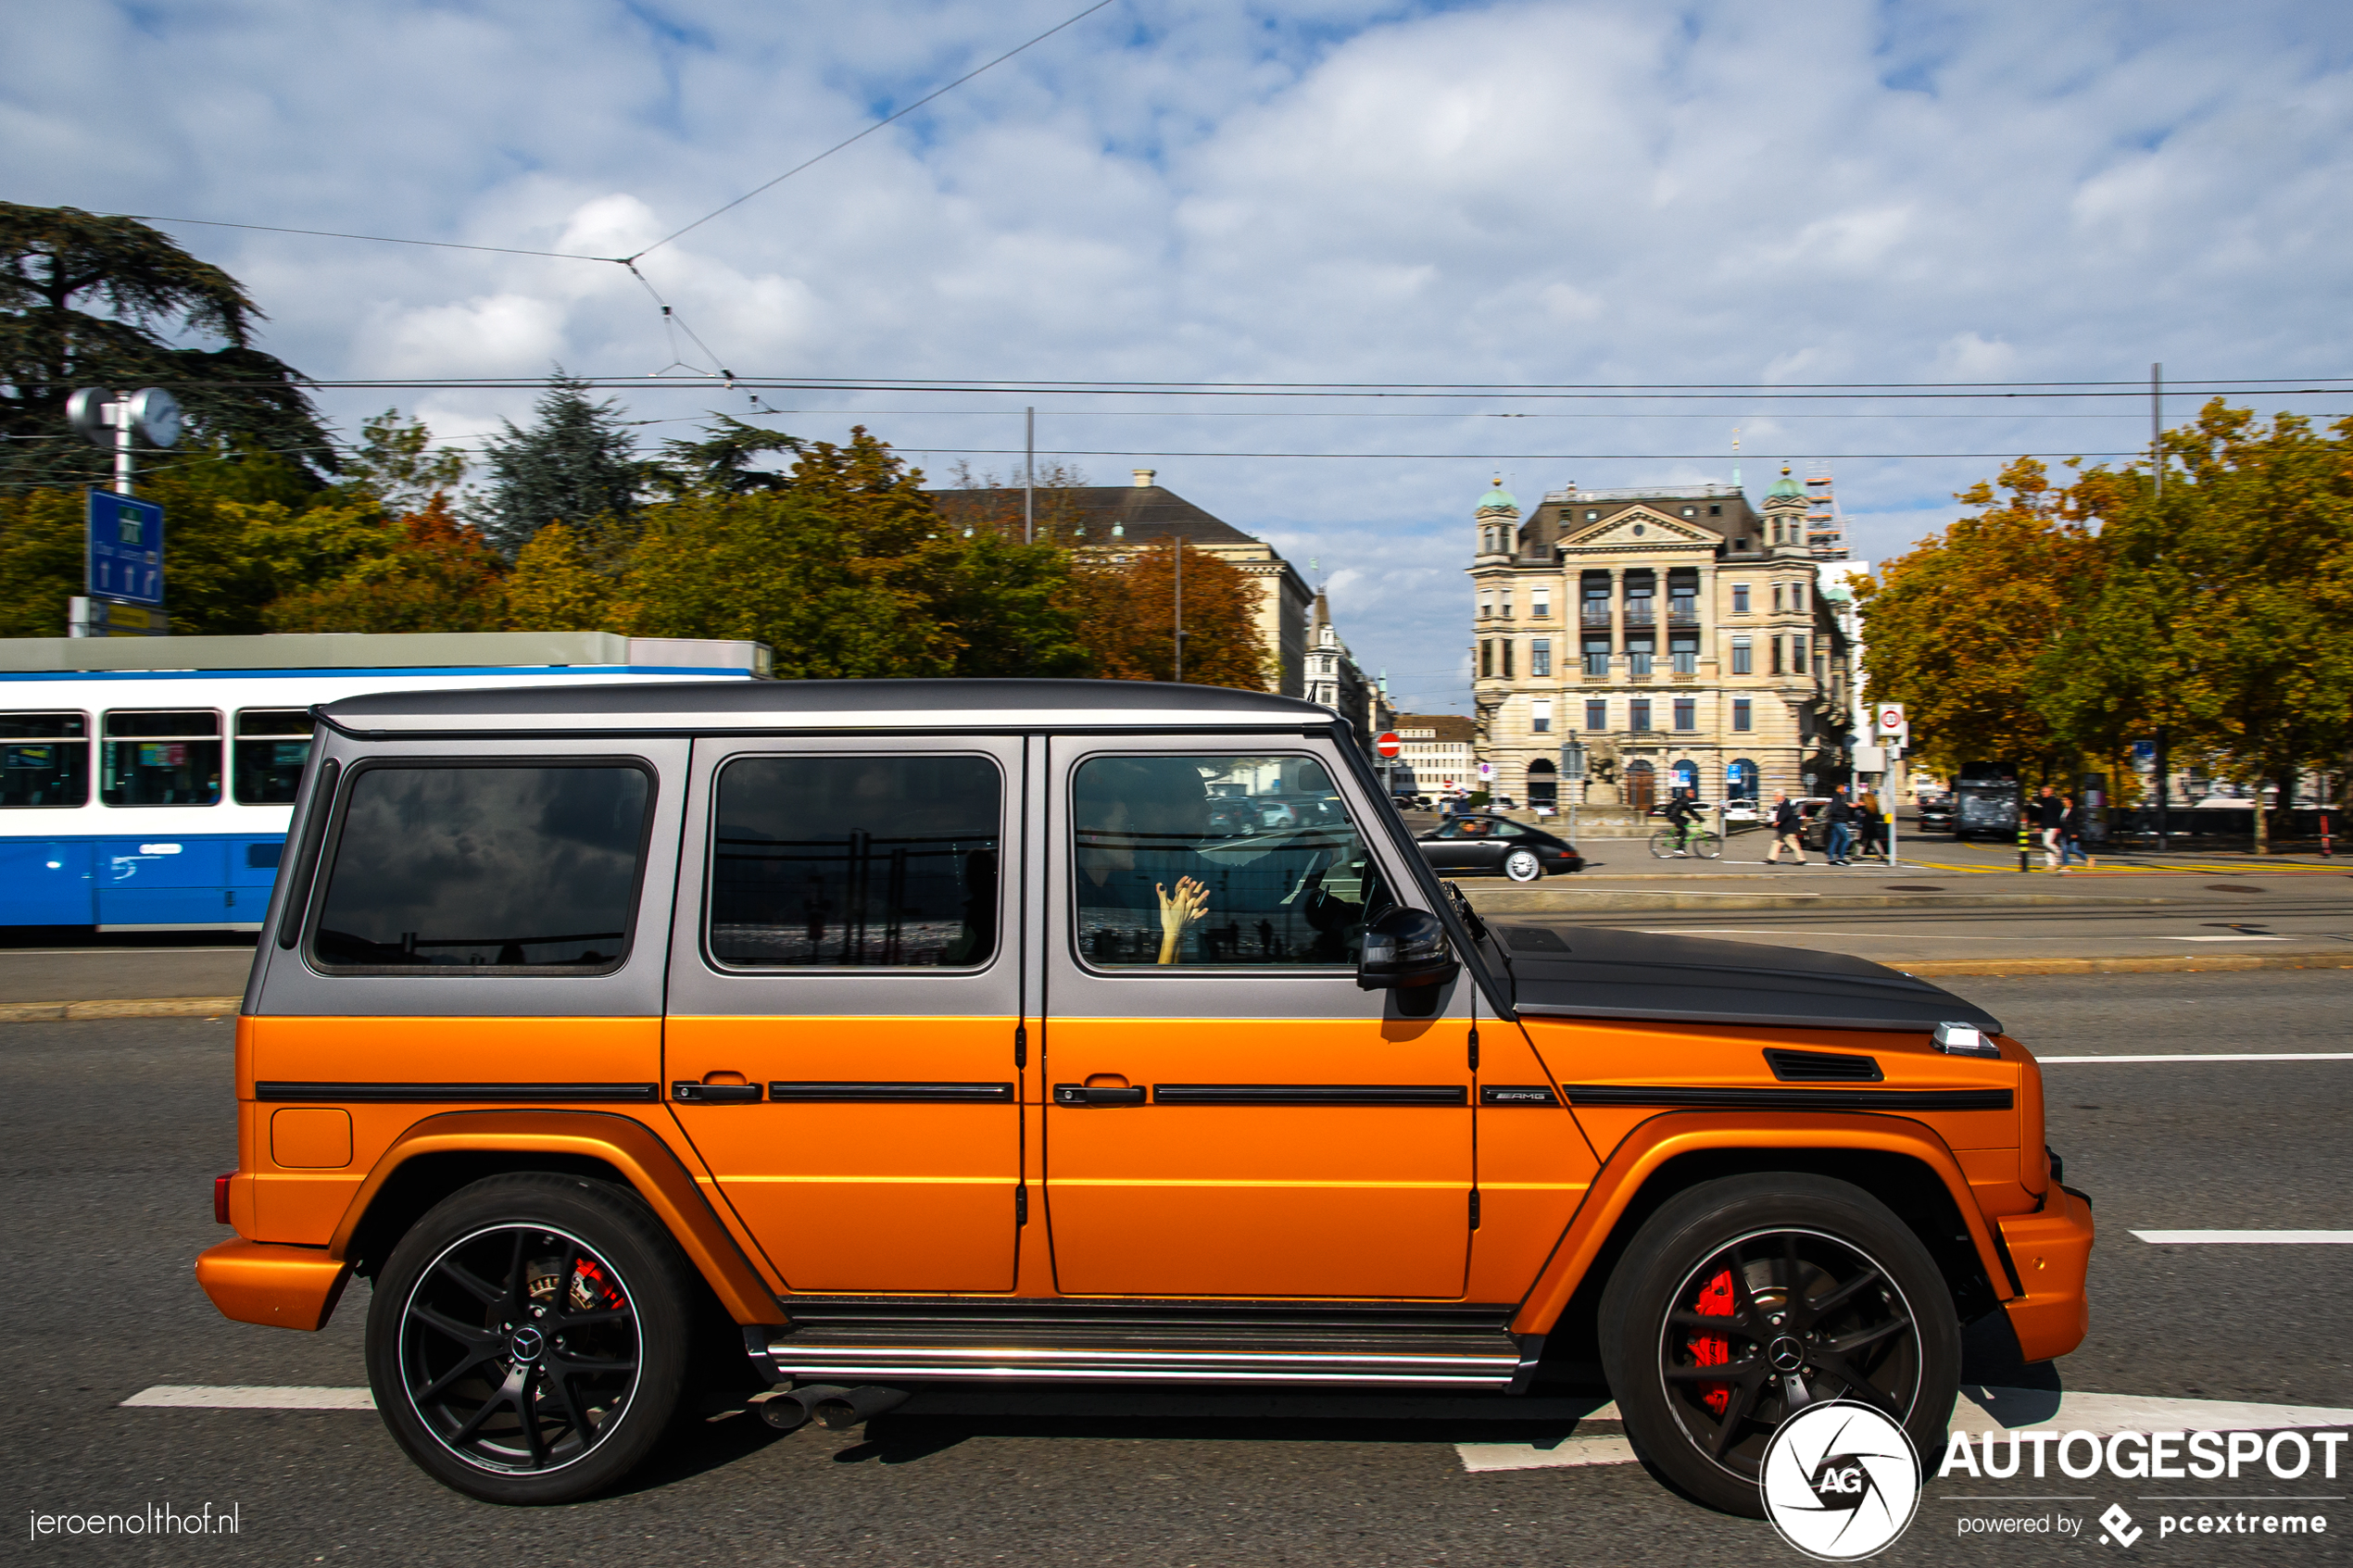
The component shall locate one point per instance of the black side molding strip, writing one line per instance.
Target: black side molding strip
(894, 1093)
(503, 1093)
(1310, 1094)
(1789, 1099)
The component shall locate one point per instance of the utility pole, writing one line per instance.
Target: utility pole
(1029, 476)
(2157, 426)
(1179, 542)
(2164, 760)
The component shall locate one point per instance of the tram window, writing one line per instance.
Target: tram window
(44, 759)
(272, 745)
(164, 759)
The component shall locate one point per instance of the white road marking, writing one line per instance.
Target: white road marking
(2222, 938)
(1545, 1456)
(2248, 1238)
(250, 1397)
(1980, 1409)
(2207, 1055)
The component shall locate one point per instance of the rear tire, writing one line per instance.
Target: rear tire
(1522, 865)
(1798, 1270)
(529, 1339)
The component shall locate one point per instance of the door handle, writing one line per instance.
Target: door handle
(1088, 1095)
(691, 1093)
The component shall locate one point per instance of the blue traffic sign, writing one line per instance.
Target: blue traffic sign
(126, 549)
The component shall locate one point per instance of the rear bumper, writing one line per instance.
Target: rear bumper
(2051, 1250)
(283, 1287)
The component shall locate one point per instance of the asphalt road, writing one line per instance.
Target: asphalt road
(114, 1130)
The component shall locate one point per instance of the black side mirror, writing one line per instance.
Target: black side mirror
(1406, 950)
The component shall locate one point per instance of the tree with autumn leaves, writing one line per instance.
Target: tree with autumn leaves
(2059, 623)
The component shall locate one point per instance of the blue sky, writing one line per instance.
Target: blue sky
(1178, 189)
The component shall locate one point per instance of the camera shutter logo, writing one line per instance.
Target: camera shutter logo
(1840, 1481)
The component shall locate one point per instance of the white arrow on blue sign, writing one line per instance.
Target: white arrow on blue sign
(126, 549)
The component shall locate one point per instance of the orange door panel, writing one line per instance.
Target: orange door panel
(1259, 1157)
(881, 1154)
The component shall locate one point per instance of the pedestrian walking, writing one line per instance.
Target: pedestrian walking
(1839, 842)
(2050, 816)
(2072, 829)
(1874, 823)
(1789, 825)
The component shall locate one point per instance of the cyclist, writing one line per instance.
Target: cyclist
(1680, 814)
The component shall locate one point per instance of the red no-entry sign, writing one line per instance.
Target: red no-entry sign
(1386, 742)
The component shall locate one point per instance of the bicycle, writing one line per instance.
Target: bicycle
(1695, 842)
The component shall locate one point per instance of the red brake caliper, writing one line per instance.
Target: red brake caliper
(592, 1292)
(1714, 1302)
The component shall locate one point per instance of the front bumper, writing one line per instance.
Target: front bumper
(263, 1283)
(2052, 1250)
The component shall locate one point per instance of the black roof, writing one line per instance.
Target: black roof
(735, 705)
(1143, 512)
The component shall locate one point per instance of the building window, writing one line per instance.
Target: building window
(1486, 660)
(1740, 596)
(1739, 715)
(1777, 656)
(1715, 510)
(1743, 657)
(1505, 607)
(1592, 517)
(1596, 714)
(1597, 656)
(1486, 606)
(1539, 657)
(1638, 655)
(1540, 603)
(1776, 598)
(1638, 713)
(1691, 511)
(1686, 714)
(1796, 656)
(1740, 780)
(1683, 652)
(1740, 544)
(1507, 659)
(1540, 716)
(1796, 597)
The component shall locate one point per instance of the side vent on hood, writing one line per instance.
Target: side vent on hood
(1822, 1067)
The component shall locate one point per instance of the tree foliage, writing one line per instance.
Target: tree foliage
(57, 264)
(577, 463)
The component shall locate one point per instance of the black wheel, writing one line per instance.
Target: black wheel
(529, 1337)
(1522, 865)
(1744, 1300)
(1705, 845)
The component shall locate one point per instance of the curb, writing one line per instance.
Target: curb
(146, 1007)
(1930, 968)
(1562, 900)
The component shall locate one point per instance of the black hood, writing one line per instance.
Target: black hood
(1580, 971)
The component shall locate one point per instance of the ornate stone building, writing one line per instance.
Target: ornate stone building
(1675, 630)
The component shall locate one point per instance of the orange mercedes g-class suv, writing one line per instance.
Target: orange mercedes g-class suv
(943, 1032)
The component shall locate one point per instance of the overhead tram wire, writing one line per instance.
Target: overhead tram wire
(862, 135)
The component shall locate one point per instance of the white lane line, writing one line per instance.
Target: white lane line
(1565, 1453)
(250, 1397)
(2222, 938)
(1980, 1409)
(2248, 1238)
(2207, 1055)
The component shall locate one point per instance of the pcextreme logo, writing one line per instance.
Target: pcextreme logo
(1840, 1481)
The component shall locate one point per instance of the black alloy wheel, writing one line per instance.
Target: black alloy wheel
(1745, 1299)
(527, 1338)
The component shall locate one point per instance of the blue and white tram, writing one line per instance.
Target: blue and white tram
(144, 800)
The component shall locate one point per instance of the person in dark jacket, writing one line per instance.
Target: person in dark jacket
(2050, 816)
(1789, 827)
(2071, 829)
(1840, 842)
(1874, 823)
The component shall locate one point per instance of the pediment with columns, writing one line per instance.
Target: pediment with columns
(1617, 532)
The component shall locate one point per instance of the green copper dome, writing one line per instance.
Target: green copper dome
(1498, 498)
(1785, 485)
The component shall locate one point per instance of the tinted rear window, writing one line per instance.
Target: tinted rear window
(496, 866)
(856, 862)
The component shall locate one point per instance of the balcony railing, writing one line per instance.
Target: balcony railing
(1639, 612)
(1595, 613)
(1682, 615)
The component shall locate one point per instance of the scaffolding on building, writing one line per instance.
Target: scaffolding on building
(1825, 524)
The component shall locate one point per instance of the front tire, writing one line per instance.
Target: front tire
(1789, 1289)
(528, 1340)
(1522, 865)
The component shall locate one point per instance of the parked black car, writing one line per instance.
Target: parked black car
(1478, 842)
(1936, 813)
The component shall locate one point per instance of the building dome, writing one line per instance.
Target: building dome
(1785, 486)
(1498, 499)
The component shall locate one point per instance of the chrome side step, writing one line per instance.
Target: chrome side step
(1482, 1355)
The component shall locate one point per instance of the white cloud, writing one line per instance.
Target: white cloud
(1594, 191)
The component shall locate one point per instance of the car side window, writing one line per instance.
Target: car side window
(855, 862)
(1224, 861)
(1503, 827)
(496, 866)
